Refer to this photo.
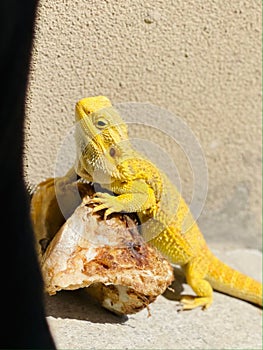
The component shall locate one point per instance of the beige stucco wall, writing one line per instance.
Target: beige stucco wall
(201, 60)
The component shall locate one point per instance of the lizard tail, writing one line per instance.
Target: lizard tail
(227, 280)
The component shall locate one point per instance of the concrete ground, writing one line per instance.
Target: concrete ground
(77, 322)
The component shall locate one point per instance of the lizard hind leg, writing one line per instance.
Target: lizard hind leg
(195, 277)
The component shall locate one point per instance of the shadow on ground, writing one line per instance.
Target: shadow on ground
(79, 305)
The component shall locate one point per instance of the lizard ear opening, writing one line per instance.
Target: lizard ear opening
(112, 152)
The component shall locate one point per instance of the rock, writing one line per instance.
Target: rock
(107, 257)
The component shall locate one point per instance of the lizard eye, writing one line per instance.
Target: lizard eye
(101, 123)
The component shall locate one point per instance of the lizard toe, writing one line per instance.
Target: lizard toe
(189, 302)
(99, 207)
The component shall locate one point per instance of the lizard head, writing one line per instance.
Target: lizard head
(101, 138)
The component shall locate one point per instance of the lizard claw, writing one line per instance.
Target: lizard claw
(105, 201)
(107, 212)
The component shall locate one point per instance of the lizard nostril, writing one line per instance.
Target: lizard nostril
(112, 152)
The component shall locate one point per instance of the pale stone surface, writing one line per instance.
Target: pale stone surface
(78, 323)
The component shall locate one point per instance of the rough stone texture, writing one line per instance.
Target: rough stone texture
(110, 255)
(78, 323)
(199, 60)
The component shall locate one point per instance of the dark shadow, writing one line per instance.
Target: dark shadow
(176, 288)
(79, 305)
(24, 324)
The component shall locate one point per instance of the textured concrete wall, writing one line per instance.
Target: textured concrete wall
(200, 60)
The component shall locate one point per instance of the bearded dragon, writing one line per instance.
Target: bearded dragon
(106, 156)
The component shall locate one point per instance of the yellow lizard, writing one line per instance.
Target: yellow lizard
(105, 155)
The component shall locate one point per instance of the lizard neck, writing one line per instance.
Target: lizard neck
(103, 163)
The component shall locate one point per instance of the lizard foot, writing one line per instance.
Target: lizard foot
(189, 302)
(106, 201)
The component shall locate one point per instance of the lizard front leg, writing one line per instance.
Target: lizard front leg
(136, 196)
